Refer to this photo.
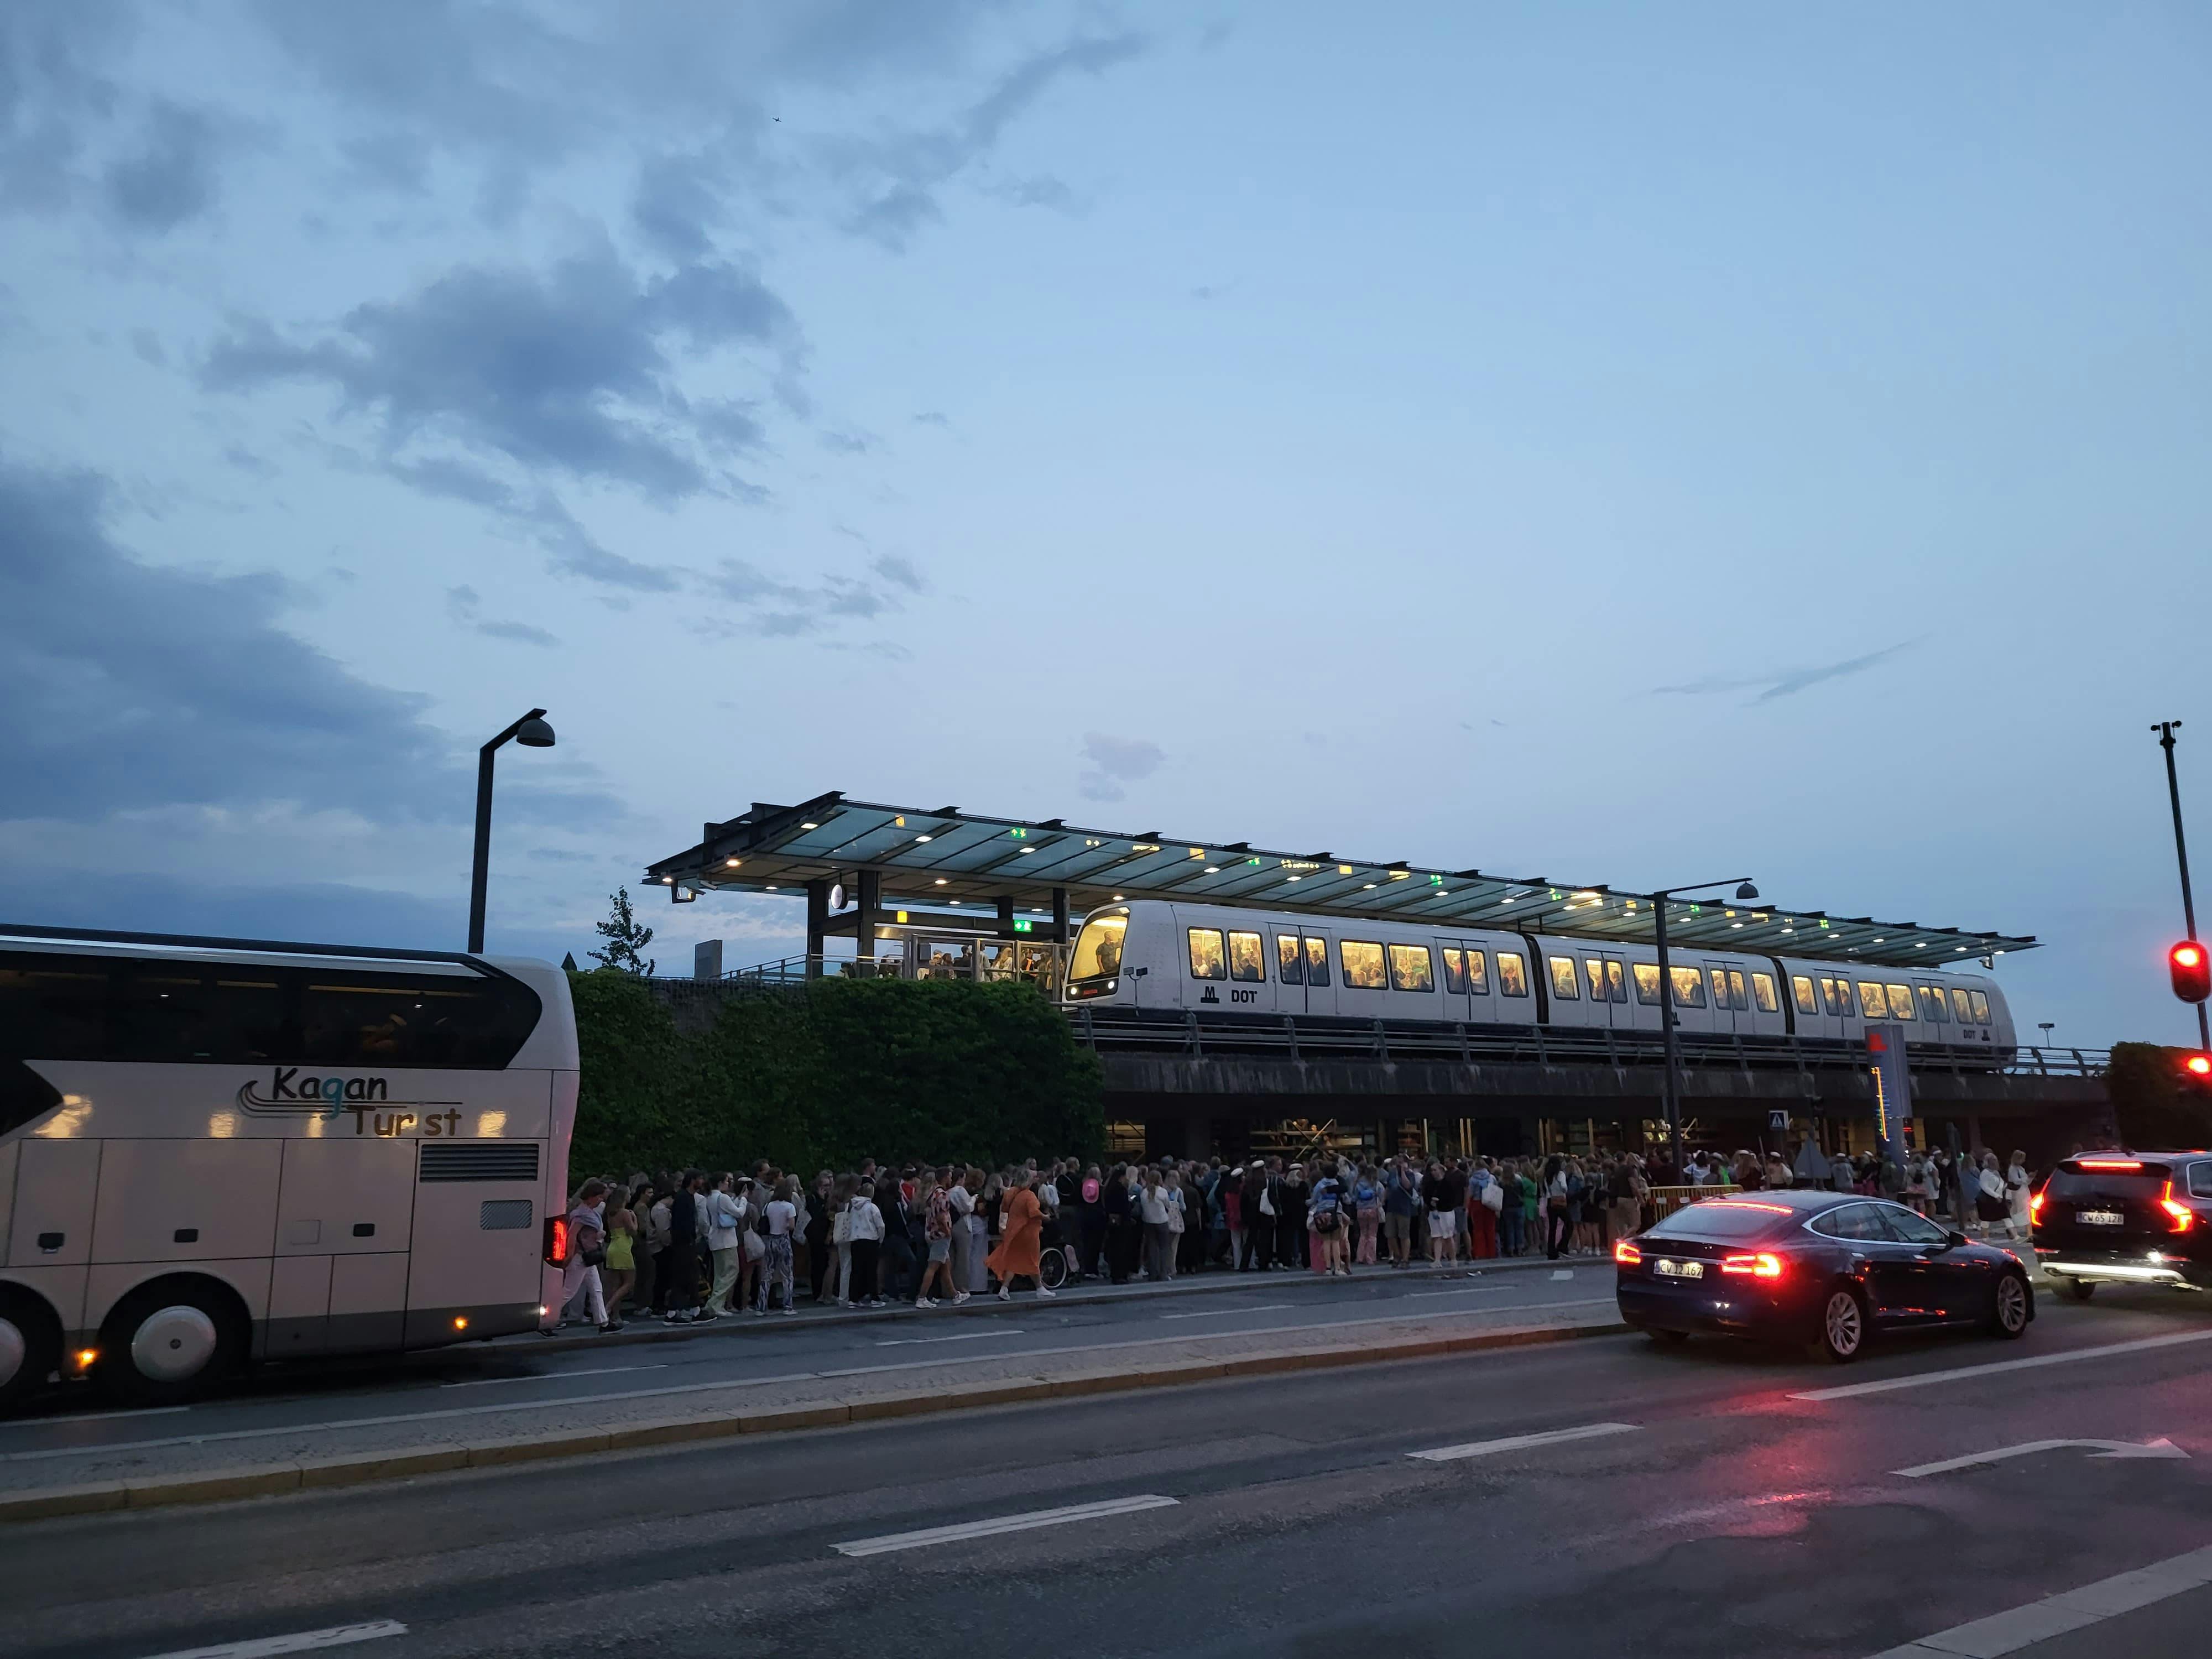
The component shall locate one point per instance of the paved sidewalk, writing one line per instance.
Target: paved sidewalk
(179, 1460)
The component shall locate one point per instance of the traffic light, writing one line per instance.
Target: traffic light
(2191, 968)
(2197, 1067)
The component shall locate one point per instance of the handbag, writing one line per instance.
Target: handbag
(756, 1246)
(1493, 1198)
(840, 1229)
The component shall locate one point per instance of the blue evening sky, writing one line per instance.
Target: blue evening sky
(1632, 443)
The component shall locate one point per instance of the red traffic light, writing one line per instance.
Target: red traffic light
(2198, 1065)
(2191, 966)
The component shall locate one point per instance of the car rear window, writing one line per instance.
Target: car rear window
(2143, 1185)
(1718, 1219)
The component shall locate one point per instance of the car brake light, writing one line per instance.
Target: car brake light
(2108, 1163)
(2035, 1207)
(2181, 1217)
(556, 1241)
(1626, 1254)
(1764, 1265)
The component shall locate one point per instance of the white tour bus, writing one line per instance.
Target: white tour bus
(215, 1152)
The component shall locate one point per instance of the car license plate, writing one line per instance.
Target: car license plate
(2100, 1217)
(1666, 1269)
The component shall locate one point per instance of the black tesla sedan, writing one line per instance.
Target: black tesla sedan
(1824, 1269)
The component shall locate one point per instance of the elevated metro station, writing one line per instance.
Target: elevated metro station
(896, 890)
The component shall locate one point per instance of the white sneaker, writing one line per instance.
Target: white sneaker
(1005, 1294)
(959, 1297)
(788, 1309)
(1042, 1292)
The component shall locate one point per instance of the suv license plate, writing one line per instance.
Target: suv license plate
(1666, 1269)
(2100, 1217)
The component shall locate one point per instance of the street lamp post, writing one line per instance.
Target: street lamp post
(2165, 730)
(531, 732)
(1670, 1084)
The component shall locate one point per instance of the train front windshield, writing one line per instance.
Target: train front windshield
(1097, 950)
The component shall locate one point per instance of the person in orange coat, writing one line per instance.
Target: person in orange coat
(1021, 1222)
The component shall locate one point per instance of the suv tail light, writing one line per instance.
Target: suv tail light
(2035, 1203)
(1764, 1265)
(1626, 1254)
(556, 1241)
(2179, 1216)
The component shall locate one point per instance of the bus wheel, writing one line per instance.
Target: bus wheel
(169, 1340)
(30, 1345)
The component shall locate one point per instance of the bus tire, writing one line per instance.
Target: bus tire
(30, 1345)
(172, 1340)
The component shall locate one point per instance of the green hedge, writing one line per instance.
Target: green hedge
(2158, 1105)
(822, 1076)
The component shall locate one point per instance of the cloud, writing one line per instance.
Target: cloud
(786, 609)
(898, 570)
(1788, 682)
(463, 606)
(170, 177)
(933, 417)
(1112, 761)
(128, 686)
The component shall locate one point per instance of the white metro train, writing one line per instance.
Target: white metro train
(1158, 955)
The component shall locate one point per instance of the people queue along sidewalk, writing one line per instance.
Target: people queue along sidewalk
(694, 1246)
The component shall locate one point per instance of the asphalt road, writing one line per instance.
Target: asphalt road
(511, 1380)
(1707, 1506)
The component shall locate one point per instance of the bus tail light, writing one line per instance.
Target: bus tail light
(1626, 1254)
(1764, 1265)
(556, 1241)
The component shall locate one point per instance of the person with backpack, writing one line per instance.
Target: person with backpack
(1367, 1211)
(679, 1261)
(1400, 1193)
(1485, 1199)
(1258, 1250)
(1325, 1209)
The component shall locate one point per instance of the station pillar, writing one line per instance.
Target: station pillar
(872, 900)
(1005, 916)
(818, 925)
(1059, 916)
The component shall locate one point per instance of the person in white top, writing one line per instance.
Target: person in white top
(725, 1213)
(865, 1233)
(776, 1265)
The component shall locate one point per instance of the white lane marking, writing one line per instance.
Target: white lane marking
(957, 1336)
(1959, 1374)
(553, 1377)
(1464, 1290)
(1520, 1441)
(337, 1635)
(95, 1448)
(96, 1417)
(2161, 1447)
(1222, 1313)
(2022, 1627)
(1562, 1273)
(1025, 1522)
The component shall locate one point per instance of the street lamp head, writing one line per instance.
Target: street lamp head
(1746, 891)
(534, 734)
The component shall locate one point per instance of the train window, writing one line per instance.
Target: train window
(1564, 983)
(1290, 964)
(1454, 971)
(1838, 992)
(1478, 973)
(1981, 1008)
(1246, 959)
(1512, 973)
(1809, 1000)
(1098, 948)
(1720, 987)
(1647, 984)
(1736, 997)
(1316, 962)
(1363, 965)
(1206, 958)
(1900, 1002)
(1689, 988)
(1595, 965)
(1616, 981)
(1931, 1004)
(1763, 993)
(1411, 969)
(1873, 999)
(1961, 1006)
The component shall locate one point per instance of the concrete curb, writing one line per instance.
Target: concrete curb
(217, 1485)
(645, 1328)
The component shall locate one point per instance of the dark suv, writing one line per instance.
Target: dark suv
(2127, 1218)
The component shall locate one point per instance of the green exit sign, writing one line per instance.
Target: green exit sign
(1023, 926)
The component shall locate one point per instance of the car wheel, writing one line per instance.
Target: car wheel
(2008, 1307)
(2080, 1289)
(169, 1341)
(30, 1347)
(1842, 1329)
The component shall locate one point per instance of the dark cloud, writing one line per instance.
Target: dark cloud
(53, 96)
(131, 687)
(847, 443)
(169, 176)
(936, 417)
(148, 346)
(569, 370)
(1111, 762)
(898, 570)
(1788, 682)
(465, 607)
(677, 200)
(787, 609)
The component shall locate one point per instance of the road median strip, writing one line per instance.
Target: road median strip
(341, 1469)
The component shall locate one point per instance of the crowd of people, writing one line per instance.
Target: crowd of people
(692, 1246)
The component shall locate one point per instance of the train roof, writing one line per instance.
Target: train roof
(945, 857)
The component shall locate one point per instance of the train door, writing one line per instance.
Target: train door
(1320, 986)
(1731, 998)
(1605, 983)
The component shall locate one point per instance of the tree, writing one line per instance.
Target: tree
(626, 938)
(2158, 1103)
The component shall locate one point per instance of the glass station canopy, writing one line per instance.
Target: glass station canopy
(946, 866)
